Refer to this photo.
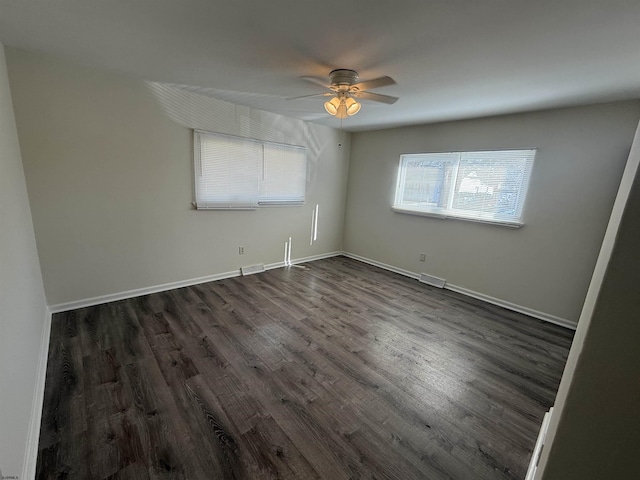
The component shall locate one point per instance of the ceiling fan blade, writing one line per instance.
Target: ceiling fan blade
(375, 83)
(318, 81)
(376, 97)
(326, 94)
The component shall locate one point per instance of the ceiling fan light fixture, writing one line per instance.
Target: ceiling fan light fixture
(332, 106)
(342, 110)
(342, 107)
(352, 106)
(345, 89)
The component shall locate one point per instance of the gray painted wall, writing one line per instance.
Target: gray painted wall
(594, 432)
(22, 302)
(108, 166)
(108, 163)
(544, 266)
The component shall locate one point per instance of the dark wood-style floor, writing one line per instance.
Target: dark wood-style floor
(336, 371)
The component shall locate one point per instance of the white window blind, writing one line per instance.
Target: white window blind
(284, 175)
(236, 172)
(489, 186)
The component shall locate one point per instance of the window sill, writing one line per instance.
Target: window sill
(195, 206)
(442, 216)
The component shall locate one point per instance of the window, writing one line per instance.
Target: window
(488, 186)
(236, 172)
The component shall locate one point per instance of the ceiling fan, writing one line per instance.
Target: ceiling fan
(345, 89)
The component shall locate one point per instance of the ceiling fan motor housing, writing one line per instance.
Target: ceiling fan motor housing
(343, 77)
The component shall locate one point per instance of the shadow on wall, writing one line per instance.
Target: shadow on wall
(202, 112)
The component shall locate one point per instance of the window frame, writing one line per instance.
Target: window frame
(449, 212)
(255, 194)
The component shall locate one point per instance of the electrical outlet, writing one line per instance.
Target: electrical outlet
(240, 250)
(423, 257)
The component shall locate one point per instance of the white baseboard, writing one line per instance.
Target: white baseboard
(314, 257)
(471, 293)
(537, 450)
(88, 302)
(33, 435)
(113, 297)
(547, 317)
(62, 307)
(375, 263)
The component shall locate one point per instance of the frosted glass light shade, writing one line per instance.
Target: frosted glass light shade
(332, 106)
(352, 106)
(342, 107)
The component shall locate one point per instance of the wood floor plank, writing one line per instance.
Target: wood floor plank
(338, 370)
(276, 456)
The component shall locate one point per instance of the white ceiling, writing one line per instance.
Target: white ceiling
(452, 59)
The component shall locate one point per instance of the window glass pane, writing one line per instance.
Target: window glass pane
(489, 186)
(426, 181)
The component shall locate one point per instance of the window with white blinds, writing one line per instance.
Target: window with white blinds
(236, 172)
(487, 186)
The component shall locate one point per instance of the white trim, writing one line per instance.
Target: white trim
(444, 216)
(88, 302)
(296, 261)
(537, 451)
(547, 317)
(271, 266)
(62, 307)
(316, 257)
(375, 263)
(113, 297)
(471, 293)
(33, 434)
